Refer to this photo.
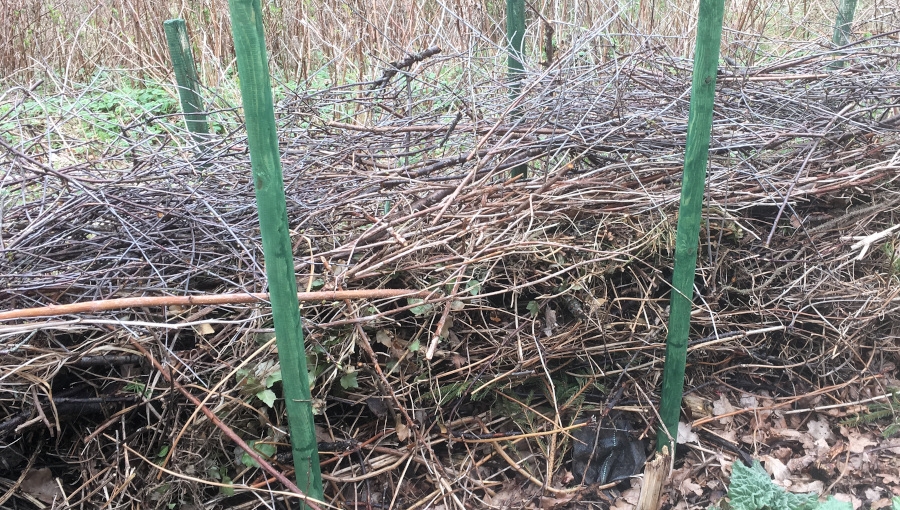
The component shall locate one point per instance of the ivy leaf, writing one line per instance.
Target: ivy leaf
(414, 346)
(265, 450)
(267, 397)
(273, 378)
(533, 307)
(349, 380)
(419, 308)
(228, 489)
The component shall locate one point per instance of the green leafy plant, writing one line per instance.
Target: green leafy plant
(752, 489)
(220, 473)
(889, 410)
(259, 381)
(419, 306)
(348, 380)
(139, 388)
(264, 448)
(890, 250)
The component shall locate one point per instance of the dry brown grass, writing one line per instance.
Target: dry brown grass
(349, 39)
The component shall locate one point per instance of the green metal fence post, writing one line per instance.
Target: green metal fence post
(186, 78)
(515, 37)
(256, 94)
(703, 88)
(842, 23)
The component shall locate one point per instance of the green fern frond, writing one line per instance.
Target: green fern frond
(880, 411)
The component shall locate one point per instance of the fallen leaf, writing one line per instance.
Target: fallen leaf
(685, 435)
(819, 429)
(548, 503)
(804, 487)
(749, 401)
(621, 504)
(688, 485)
(723, 406)
(872, 494)
(204, 329)
(893, 445)
(402, 430)
(633, 494)
(40, 484)
(549, 321)
(799, 464)
(776, 468)
(881, 503)
(857, 441)
(889, 478)
(384, 337)
(698, 406)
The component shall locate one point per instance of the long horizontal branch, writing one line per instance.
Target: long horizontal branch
(209, 299)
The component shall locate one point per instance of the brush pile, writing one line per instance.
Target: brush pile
(550, 290)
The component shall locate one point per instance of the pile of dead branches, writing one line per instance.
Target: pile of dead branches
(549, 292)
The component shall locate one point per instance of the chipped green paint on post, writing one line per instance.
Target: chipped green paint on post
(186, 78)
(703, 88)
(259, 111)
(515, 38)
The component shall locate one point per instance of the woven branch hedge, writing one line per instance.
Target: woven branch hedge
(550, 293)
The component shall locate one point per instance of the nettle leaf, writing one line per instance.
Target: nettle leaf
(267, 397)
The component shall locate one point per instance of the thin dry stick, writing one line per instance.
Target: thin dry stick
(214, 391)
(250, 451)
(438, 330)
(212, 299)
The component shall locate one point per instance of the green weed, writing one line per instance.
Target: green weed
(752, 489)
(889, 411)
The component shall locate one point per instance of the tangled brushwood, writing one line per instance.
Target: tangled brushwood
(550, 291)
